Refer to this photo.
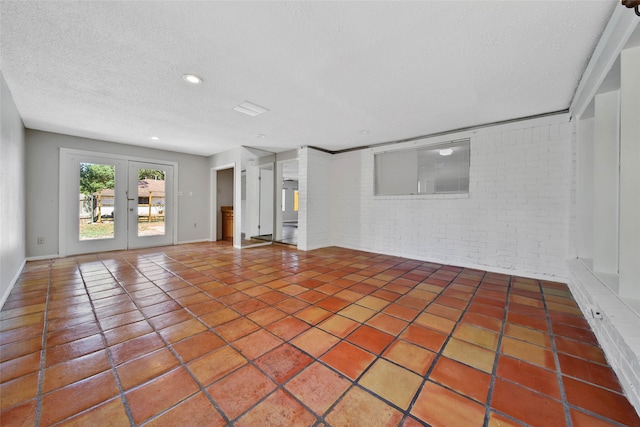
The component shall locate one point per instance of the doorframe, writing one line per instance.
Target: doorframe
(63, 209)
(279, 182)
(213, 201)
(272, 194)
(134, 240)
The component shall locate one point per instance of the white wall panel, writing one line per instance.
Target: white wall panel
(12, 192)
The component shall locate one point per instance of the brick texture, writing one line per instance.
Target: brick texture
(514, 219)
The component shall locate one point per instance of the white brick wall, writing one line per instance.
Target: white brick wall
(346, 189)
(515, 218)
(618, 332)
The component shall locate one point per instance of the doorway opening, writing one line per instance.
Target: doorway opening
(264, 230)
(224, 204)
(287, 214)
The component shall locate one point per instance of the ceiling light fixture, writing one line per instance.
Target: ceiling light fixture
(446, 151)
(192, 78)
(261, 135)
(364, 132)
(155, 138)
(250, 109)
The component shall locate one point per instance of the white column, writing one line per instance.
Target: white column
(252, 216)
(605, 183)
(277, 193)
(303, 198)
(630, 174)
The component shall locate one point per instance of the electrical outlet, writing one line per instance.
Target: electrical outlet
(41, 240)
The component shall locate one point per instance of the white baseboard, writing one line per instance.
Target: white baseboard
(618, 332)
(41, 257)
(13, 283)
(186, 242)
(483, 267)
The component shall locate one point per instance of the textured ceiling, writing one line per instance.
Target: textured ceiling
(325, 70)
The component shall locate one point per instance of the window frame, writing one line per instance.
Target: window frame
(415, 147)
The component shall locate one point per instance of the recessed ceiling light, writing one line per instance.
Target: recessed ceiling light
(155, 138)
(446, 151)
(250, 109)
(192, 78)
(261, 135)
(364, 132)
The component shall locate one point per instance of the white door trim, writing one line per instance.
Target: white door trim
(213, 201)
(134, 241)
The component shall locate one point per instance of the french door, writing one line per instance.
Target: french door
(150, 202)
(111, 203)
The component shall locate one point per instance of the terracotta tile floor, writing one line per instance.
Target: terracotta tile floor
(203, 334)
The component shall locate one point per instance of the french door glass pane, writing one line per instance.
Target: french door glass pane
(151, 202)
(96, 201)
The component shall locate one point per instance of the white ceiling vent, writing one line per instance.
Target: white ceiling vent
(250, 109)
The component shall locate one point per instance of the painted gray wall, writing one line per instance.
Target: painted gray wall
(42, 187)
(12, 192)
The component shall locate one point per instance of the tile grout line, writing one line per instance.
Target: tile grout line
(494, 371)
(565, 403)
(319, 418)
(197, 263)
(227, 343)
(435, 360)
(561, 401)
(353, 382)
(556, 359)
(169, 347)
(189, 284)
(107, 348)
(245, 316)
(282, 386)
(43, 351)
